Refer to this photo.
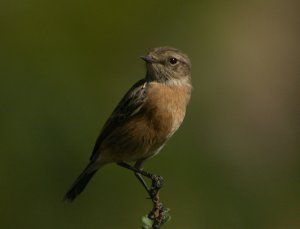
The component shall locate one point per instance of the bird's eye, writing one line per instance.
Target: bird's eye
(173, 61)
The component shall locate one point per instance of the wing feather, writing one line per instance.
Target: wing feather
(129, 106)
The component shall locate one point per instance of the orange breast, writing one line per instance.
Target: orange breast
(165, 107)
(158, 119)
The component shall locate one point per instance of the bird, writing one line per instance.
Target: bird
(144, 120)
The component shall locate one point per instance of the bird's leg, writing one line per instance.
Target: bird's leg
(157, 181)
(142, 181)
(158, 210)
(138, 165)
(134, 169)
(139, 173)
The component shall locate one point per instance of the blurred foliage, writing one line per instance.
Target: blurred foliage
(64, 65)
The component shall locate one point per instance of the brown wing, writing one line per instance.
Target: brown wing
(129, 106)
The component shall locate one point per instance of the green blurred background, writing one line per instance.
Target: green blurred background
(64, 65)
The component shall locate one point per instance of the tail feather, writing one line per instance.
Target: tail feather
(80, 183)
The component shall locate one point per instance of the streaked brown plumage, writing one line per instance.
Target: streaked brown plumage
(146, 117)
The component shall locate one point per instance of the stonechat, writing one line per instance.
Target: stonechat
(146, 117)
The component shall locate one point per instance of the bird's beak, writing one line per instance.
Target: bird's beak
(149, 59)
